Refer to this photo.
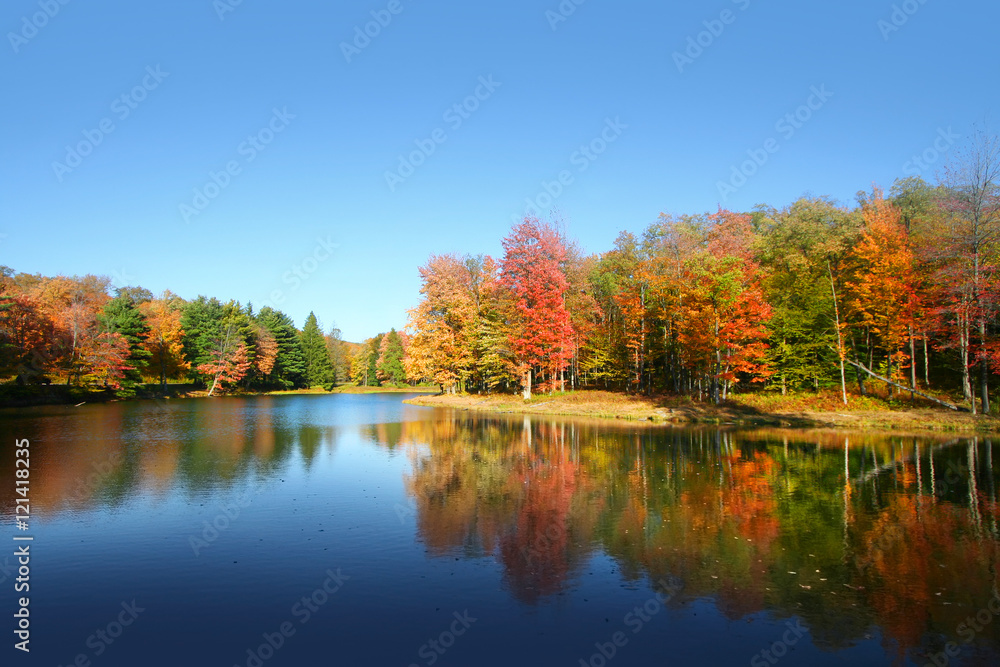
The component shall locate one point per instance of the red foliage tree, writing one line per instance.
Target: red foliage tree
(542, 336)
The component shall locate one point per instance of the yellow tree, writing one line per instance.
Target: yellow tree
(442, 327)
(164, 340)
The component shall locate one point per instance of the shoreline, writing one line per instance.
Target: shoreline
(664, 410)
(40, 395)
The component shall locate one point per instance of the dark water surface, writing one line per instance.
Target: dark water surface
(194, 532)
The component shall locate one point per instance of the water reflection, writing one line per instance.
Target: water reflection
(852, 533)
(858, 535)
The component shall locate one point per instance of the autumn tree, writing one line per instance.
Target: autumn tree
(883, 295)
(542, 334)
(442, 328)
(973, 182)
(105, 358)
(122, 316)
(164, 338)
(230, 359)
(727, 313)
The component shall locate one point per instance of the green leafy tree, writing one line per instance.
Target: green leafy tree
(340, 357)
(389, 366)
(803, 247)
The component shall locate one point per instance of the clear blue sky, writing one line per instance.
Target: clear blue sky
(323, 176)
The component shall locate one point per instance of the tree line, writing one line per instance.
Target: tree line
(72, 330)
(897, 292)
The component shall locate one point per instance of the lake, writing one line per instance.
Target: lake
(358, 530)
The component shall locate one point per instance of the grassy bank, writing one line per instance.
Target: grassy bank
(801, 410)
(350, 389)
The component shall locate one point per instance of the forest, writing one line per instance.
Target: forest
(73, 331)
(892, 296)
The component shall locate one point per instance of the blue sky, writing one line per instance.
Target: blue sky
(309, 129)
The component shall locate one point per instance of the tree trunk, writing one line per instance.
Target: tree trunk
(888, 381)
(527, 385)
(859, 376)
(984, 368)
(840, 341)
(963, 347)
(163, 371)
(913, 363)
(927, 372)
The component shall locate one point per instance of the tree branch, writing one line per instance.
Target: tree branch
(861, 366)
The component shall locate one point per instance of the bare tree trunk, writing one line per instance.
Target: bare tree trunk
(963, 345)
(927, 372)
(840, 342)
(888, 381)
(984, 369)
(527, 385)
(913, 363)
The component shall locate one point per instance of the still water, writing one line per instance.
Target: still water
(356, 530)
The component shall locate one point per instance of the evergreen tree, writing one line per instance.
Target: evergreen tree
(201, 320)
(121, 316)
(319, 370)
(290, 366)
(371, 365)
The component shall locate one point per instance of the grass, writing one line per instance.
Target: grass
(405, 389)
(806, 409)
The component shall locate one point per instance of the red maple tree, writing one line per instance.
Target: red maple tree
(542, 334)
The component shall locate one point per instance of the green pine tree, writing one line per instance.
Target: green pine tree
(121, 316)
(290, 368)
(319, 369)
